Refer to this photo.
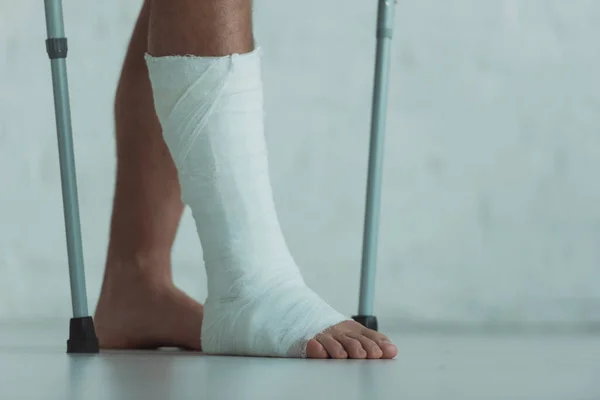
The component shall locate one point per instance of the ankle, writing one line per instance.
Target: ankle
(145, 269)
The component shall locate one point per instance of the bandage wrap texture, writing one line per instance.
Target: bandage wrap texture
(211, 112)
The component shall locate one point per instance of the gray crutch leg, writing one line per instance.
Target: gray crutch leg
(82, 335)
(385, 26)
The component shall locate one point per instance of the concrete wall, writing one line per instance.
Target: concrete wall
(491, 205)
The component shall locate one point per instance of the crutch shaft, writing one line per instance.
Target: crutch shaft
(385, 24)
(57, 49)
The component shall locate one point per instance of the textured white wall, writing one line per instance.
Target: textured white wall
(491, 209)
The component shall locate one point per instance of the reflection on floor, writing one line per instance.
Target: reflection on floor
(440, 367)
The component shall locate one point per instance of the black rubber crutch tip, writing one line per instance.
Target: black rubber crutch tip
(368, 321)
(82, 336)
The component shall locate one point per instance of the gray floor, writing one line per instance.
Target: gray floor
(34, 366)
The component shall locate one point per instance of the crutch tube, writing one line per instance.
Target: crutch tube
(385, 27)
(82, 336)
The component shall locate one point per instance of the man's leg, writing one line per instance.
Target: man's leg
(139, 306)
(207, 88)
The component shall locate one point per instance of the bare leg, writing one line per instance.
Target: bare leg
(220, 28)
(139, 306)
(200, 27)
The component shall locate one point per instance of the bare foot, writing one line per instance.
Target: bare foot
(136, 313)
(350, 339)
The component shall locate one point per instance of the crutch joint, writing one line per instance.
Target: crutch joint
(57, 48)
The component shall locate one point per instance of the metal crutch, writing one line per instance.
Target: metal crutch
(385, 28)
(82, 335)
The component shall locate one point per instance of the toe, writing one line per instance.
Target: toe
(387, 347)
(352, 346)
(314, 349)
(372, 349)
(333, 347)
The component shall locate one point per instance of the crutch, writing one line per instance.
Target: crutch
(82, 335)
(385, 28)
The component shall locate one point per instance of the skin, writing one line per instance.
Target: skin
(139, 305)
